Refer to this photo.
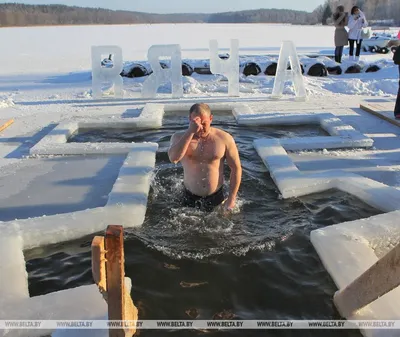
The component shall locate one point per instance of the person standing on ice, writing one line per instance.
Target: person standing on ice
(202, 150)
(357, 22)
(340, 20)
(396, 60)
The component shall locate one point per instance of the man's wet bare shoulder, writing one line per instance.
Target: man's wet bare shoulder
(176, 136)
(223, 135)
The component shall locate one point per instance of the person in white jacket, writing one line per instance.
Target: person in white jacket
(357, 22)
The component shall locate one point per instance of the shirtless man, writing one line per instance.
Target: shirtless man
(202, 150)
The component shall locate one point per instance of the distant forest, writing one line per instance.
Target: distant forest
(15, 14)
(379, 11)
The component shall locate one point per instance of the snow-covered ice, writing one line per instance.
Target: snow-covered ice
(46, 86)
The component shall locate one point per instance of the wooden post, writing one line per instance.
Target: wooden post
(115, 276)
(99, 263)
(378, 280)
(109, 274)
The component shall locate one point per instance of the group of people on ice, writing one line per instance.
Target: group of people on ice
(353, 35)
(355, 22)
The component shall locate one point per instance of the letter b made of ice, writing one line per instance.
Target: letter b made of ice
(228, 67)
(288, 54)
(160, 75)
(103, 72)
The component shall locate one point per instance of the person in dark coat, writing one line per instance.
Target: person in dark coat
(396, 60)
(340, 20)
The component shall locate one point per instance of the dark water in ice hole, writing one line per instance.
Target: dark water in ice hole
(257, 264)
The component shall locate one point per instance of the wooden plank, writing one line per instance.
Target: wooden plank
(130, 314)
(115, 276)
(381, 111)
(377, 281)
(108, 272)
(99, 263)
(5, 123)
(120, 304)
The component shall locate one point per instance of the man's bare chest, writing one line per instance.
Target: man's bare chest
(205, 150)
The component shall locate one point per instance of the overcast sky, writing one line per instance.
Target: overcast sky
(183, 6)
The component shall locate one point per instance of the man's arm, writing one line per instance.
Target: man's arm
(180, 142)
(179, 146)
(233, 160)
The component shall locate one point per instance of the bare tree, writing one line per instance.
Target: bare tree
(14, 14)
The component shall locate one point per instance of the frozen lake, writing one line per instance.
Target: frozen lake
(260, 264)
(67, 48)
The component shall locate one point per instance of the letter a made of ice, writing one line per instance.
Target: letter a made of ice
(228, 67)
(160, 75)
(288, 54)
(101, 74)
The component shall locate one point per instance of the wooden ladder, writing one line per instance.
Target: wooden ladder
(108, 271)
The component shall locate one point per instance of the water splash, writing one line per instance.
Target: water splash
(182, 232)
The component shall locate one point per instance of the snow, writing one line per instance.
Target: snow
(14, 287)
(6, 102)
(68, 48)
(46, 87)
(70, 304)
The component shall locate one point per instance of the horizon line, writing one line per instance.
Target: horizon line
(152, 13)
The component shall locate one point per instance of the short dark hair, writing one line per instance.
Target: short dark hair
(340, 8)
(198, 108)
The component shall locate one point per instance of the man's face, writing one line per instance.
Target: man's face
(205, 120)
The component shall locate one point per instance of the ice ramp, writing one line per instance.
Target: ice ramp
(382, 108)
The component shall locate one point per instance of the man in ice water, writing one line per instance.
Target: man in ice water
(202, 150)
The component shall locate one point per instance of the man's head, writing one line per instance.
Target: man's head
(202, 112)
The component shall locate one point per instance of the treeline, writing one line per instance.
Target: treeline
(262, 16)
(375, 10)
(14, 14)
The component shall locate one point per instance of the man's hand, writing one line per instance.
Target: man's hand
(229, 205)
(226, 207)
(195, 125)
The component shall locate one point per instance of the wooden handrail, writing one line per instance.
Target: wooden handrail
(379, 279)
(109, 274)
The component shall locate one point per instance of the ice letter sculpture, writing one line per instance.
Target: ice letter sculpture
(160, 75)
(228, 67)
(288, 54)
(103, 73)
